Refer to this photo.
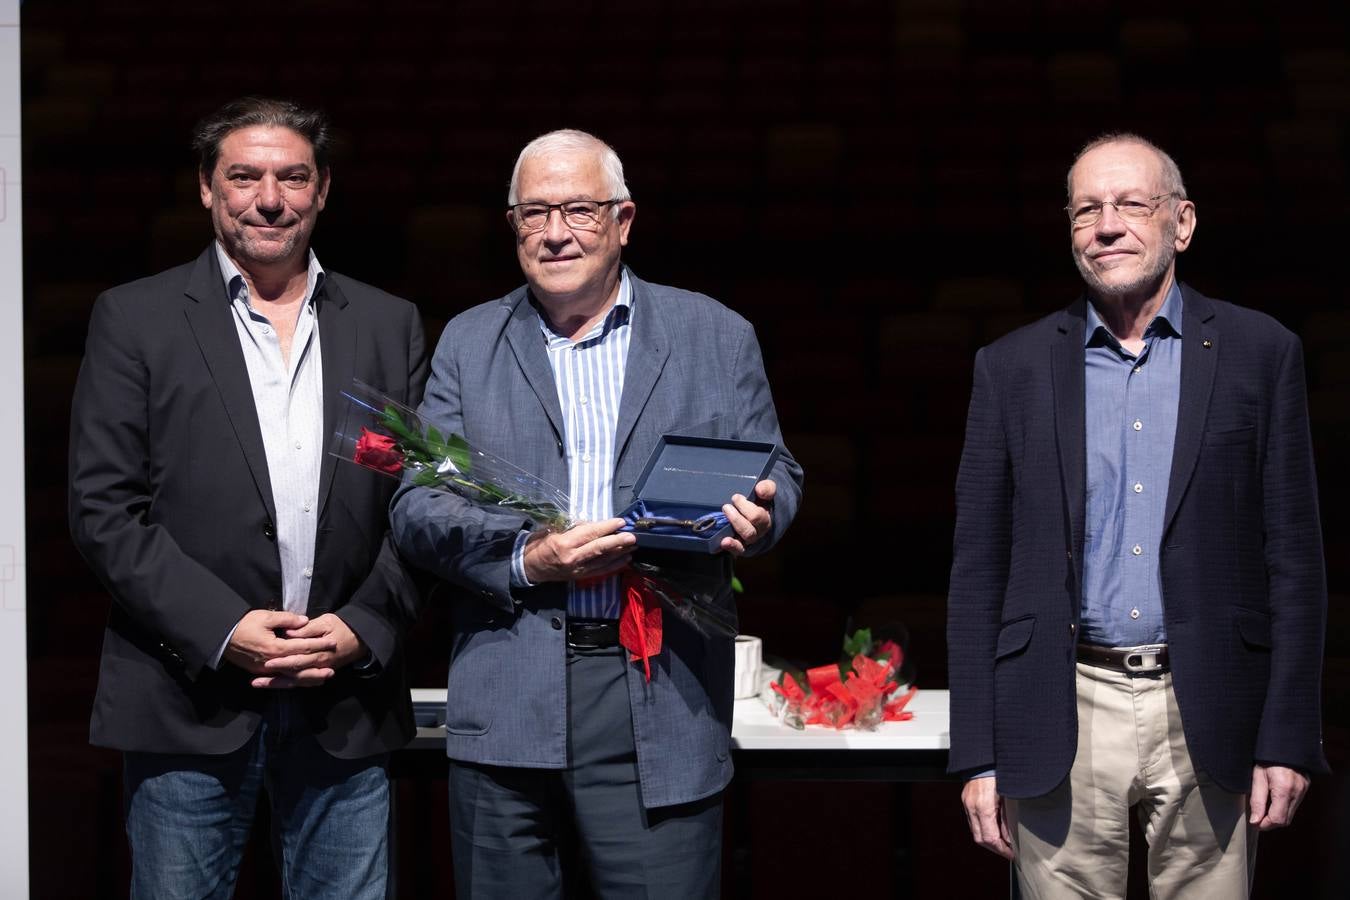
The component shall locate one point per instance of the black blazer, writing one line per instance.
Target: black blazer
(1243, 584)
(171, 505)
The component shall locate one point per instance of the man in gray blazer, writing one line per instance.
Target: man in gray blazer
(568, 765)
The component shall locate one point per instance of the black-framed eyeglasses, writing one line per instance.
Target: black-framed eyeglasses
(583, 214)
(1085, 214)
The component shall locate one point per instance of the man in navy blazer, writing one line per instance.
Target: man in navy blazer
(1137, 603)
(568, 764)
(258, 602)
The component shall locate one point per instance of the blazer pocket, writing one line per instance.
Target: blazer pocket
(1014, 636)
(1254, 627)
(1241, 435)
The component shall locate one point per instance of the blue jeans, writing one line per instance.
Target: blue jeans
(188, 816)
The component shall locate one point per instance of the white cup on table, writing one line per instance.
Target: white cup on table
(749, 657)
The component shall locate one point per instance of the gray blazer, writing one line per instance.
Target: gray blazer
(691, 362)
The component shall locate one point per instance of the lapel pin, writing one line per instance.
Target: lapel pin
(1206, 343)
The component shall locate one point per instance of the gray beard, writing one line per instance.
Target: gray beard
(1146, 282)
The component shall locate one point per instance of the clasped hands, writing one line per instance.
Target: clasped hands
(288, 650)
(597, 549)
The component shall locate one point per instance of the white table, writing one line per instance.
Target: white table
(754, 728)
(914, 750)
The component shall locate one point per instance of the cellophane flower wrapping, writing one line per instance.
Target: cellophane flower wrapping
(861, 692)
(385, 436)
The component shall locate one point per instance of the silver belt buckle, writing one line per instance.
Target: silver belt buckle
(1141, 660)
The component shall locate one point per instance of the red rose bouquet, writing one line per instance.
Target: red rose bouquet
(861, 691)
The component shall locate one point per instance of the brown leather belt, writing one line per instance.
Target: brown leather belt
(592, 634)
(1150, 659)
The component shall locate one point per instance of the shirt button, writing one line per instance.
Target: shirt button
(583, 399)
(1134, 613)
(309, 573)
(306, 507)
(1136, 369)
(266, 330)
(585, 457)
(1138, 425)
(1138, 489)
(297, 445)
(1136, 549)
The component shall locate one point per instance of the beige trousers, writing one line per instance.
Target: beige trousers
(1075, 841)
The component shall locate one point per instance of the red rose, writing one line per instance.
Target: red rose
(378, 451)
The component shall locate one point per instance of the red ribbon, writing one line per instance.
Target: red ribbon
(640, 623)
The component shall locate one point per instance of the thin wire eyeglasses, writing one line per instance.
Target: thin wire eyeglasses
(583, 214)
(1132, 210)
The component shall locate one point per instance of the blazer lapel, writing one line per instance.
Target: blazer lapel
(1200, 349)
(337, 349)
(208, 315)
(648, 350)
(1068, 382)
(527, 343)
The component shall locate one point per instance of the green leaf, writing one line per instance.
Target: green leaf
(458, 451)
(426, 478)
(860, 642)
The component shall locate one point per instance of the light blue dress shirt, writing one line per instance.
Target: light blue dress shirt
(1131, 421)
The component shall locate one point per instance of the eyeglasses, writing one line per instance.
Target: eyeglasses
(1087, 214)
(583, 214)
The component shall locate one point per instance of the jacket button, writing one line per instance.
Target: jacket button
(556, 623)
(270, 531)
(273, 604)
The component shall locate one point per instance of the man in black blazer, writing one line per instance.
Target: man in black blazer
(1138, 599)
(258, 603)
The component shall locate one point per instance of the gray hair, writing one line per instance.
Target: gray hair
(247, 112)
(1171, 173)
(567, 140)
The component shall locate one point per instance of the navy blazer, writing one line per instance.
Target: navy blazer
(171, 505)
(1243, 583)
(691, 363)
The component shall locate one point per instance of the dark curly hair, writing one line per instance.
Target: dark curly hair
(247, 112)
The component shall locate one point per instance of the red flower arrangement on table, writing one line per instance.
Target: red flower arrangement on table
(860, 692)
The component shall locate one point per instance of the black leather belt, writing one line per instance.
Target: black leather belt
(592, 634)
(1149, 659)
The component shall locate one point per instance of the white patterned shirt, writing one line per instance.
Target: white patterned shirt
(288, 397)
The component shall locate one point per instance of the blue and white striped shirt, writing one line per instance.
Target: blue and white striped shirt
(588, 374)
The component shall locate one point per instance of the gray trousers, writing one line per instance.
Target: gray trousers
(581, 831)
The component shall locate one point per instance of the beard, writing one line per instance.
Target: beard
(255, 249)
(1145, 281)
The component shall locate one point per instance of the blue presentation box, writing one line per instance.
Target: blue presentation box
(689, 477)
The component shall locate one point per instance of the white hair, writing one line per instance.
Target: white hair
(568, 140)
(1171, 173)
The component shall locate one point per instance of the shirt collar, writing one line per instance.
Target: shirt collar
(620, 313)
(236, 286)
(1166, 322)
